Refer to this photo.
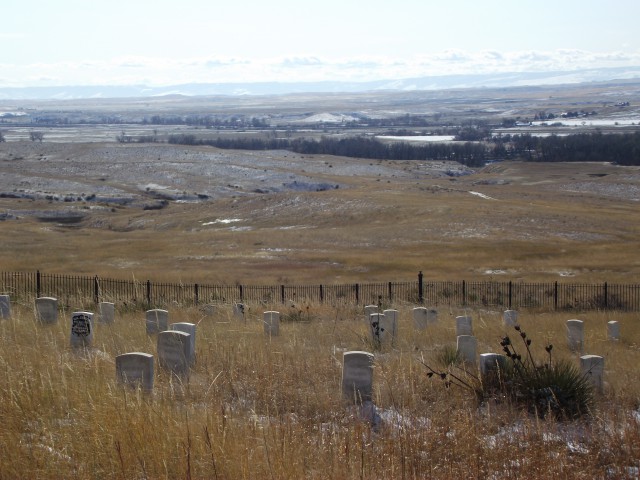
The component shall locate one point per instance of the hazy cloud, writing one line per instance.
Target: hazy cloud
(301, 62)
(157, 71)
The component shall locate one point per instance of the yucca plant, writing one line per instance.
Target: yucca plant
(557, 388)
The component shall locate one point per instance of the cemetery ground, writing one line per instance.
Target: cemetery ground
(260, 406)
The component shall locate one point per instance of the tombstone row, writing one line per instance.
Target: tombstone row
(176, 343)
(47, 311)
(357, 373)
(575, 334)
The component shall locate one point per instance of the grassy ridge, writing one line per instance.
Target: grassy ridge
(540, 223)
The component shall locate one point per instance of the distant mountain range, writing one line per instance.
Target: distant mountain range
(443, 82)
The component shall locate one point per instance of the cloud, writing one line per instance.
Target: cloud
(295, 62)
(159, 71)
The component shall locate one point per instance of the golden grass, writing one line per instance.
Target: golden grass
(259, 407)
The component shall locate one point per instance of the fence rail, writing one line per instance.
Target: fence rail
(82, 291)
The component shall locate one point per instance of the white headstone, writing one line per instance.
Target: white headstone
(613, 330)
(271, 321)
(490, 366)
(420, 318)
(592, 367)
(5, 306)
(157, 320)
(510, 318)
(239, 310)
(575, 335)
(135, 369)
(47, 310)
(357, 376)
(381, 329)
(189, 328)
(391, 322)
(106, 313)
(174, 351)
(368, 310)
(81, 329)
(467, 347)
(464, 326)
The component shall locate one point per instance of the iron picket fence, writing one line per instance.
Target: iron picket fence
(84, 291)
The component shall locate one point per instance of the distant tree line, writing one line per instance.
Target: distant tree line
(470, 154)
(622, 149)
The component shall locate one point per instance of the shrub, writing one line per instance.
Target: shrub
(555, 389)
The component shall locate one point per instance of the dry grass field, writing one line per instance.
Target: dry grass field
(270, 407)
(254, 217)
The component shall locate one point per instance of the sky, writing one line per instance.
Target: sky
(168, 42)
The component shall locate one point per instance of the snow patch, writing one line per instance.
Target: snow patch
(418, 138)
(327, 118)
(482, 195)
(222, 220)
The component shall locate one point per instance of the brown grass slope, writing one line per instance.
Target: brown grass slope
(385, 221)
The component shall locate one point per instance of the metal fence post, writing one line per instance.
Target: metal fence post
(464, 292)
(510, 293)
(282, 294)
(149, 293)
(555, 295)
(196, 294)
(38, 284)
(96, 290)
(321, 294)
(420, 287)
(357, 294)
(606, 295)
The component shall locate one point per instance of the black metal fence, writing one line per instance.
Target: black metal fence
(82, 291)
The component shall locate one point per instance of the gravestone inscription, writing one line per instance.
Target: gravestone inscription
(81, 329)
